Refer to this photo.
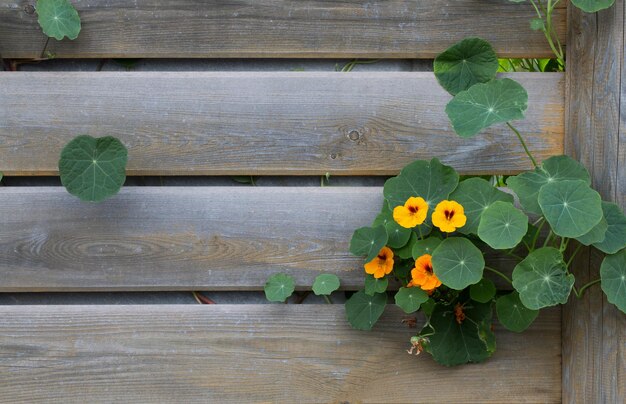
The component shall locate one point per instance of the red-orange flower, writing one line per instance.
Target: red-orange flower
(422, 275)
(448, 216)
(382, 264)
(413, 212)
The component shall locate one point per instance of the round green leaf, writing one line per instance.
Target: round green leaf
(596, 234)
(613, 279)
(58, 18)
(542, 280)
(374, 285)
(426, 246)
(482, 105)
(410, 299)
(512, 313)
(591, 6)
(325, 284)
(464, 64)
(571, 207)
(502, 226)
(368, 241)
(363, 310)
(279, 287)
(407, 251)
(455, 343)
(93, 169)
(397, 235)
(483, 291)
(615, 236)
(458, 263)
(430, 180)
(476, 194)
(557, 168)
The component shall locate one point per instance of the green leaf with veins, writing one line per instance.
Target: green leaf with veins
(363, 310)
(613, 279)
(410, 299)
(483, 291)
(279, 287)
(502, 226)
(615, 236)
(425, 246)
(458, 263)
(93, 169)
(325, 284)
(375, 285)
(368, 241)
(512, 313)
(591, 6)
(58, 18)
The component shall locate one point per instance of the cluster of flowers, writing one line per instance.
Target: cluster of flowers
(448, 216)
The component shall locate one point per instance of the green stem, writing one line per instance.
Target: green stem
(569, 262)
(543, 221)
(519, 136)
(581, 291)
(503, 276)
(564, 242)
(545, 243)
(43, 51)
(327, 299)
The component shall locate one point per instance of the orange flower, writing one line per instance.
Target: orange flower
(423, 275)
(449, 216)
(412, 213)
(382, 264)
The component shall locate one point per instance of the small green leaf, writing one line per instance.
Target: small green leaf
(430, 180)
(591, 6)
(615, 236)
(613, 279)
(557, 168)
(483, 291)
(426, 246)
(374, 285)
(325, 284)
(476, 194)
(363, 310)
(502, 226)
(464, 64)
(279, 287)
(484, 104)
(58, 18)
(410, 299)
(537, 24)
(542, 280)
(93, 169)
(458, 263)
(455, 343)
(571, 207)
(407, 251)
(368, 241)
(512, 313)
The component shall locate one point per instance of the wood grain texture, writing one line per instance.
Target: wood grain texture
(189, 238)
(278, 28)
(264, 123)
(594, 331)
(253, 353)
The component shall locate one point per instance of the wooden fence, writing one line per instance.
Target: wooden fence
(227, 238)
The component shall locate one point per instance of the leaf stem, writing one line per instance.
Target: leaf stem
(581, 291)
(547, 241)
(503, 276)
(543, 221)
(569, 262)
(564, 243)
(43, 51)
(519, 136)
(327, 299)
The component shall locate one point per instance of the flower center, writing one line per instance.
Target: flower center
(414, 209)
(428, 268)
(382, 257)
(448, 214)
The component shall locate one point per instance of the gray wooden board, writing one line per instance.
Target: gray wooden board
(254, 353)
(182, 238)
(287, 123)
(277, 28)
(594, 331)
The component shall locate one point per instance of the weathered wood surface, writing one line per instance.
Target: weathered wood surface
(264, 123)
(254, 353)
(277, 28)
(594, 331)
(189, 238)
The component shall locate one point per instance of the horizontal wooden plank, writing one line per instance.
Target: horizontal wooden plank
(181, 238)
(288, 123)
(278, 28)
(254, 353)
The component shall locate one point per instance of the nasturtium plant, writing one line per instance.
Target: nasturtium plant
(279, 287)
(464, 64)
(58, 18)
(93, 169)
(591, 6)
(325, 284)
(482, 105)
(429, 238)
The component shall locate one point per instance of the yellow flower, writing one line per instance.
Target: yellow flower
(382, 264)
(412, 213)
(422, 275)
(449, 216)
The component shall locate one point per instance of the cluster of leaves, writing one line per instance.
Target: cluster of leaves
(558, 208)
